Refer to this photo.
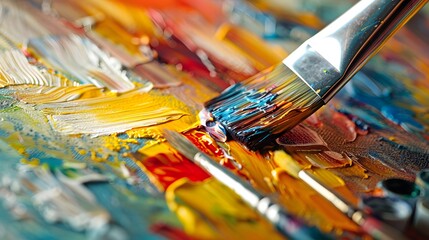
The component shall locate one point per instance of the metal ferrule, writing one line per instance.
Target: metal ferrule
(331, 57)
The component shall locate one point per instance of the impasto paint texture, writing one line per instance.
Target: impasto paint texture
(87, 89)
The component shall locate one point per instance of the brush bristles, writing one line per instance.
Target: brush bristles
(259, 110)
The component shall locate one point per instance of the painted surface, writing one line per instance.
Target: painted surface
(87, 87)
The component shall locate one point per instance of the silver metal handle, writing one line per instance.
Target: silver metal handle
(331, 57)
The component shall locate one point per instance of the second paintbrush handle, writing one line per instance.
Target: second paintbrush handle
(287, 224)
(370, 225)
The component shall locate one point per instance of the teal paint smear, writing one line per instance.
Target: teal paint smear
(367, 117)
(7, 103)
(135, 215)
(387, 96)
(403, 117)
(34, 228)
(9, 157)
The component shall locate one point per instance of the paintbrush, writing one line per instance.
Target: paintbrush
(258, 110)
(285, 223)
(369, 224)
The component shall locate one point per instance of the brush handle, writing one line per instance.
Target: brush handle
(295, 230)
(288, 225)
(370, 225)
(331, 57)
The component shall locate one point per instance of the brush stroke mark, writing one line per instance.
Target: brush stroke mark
(176, 54)
(44, 95)
(106, 115)
(329, 159)
(18, 66)
(82, 61)
(87, 110)
(75, 56)
(15, 69)
(302, 138)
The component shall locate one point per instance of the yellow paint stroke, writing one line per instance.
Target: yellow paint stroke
(156, 149)
(71, 107)
(328, 178)
(15, 70)
(187, 121)
(34, 162)
(104, 115)
(217, 212)
(44, 95)
(156, 143)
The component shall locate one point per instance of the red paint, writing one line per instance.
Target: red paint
(166, 168)
(175, 53)
(314, 120)
(169, 232)
(206, 144)
(345, 125)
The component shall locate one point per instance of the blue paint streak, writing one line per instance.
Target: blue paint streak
(387, 95)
